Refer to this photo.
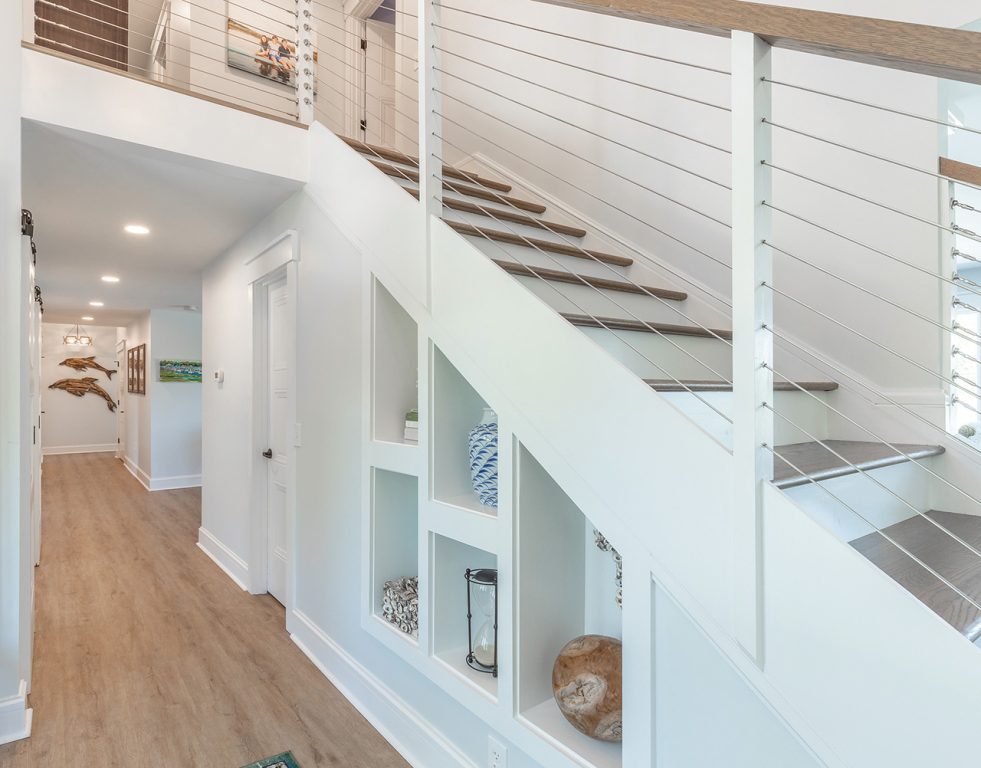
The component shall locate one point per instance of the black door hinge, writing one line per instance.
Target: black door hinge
(26, 222)
(364, 44)
(364, 125)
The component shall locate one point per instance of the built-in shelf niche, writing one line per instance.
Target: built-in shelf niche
(566, 588)
(395, 366)
(394, 535)
(456, 408)
(450, 560)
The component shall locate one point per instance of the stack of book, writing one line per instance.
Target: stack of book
(412, 426)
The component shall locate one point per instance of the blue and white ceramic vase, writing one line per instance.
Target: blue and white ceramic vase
(483, 458)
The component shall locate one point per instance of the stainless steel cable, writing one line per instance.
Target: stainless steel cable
(613, 331)
(872, 525)
(624, 115)
(865, 153)
(864, 290)
(956, 400)
(878, 438)
(553, 33)
(188, 90)
(955, 375)
(170, 45)
(358, 50)
(587, 254)
(413, 140)
(645, 86)
(583, 159)
(595, 197)
(797, 174)
(860, 244)
(861, 335)
(879, 107)
(958, 352)
(867, 475)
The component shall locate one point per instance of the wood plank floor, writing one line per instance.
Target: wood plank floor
(146, 654)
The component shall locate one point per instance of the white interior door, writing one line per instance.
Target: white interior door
(34, 353)
(278, 355)
(380, 83)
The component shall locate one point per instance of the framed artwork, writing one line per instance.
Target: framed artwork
(262, 53)
(136, 370)
(180, 370)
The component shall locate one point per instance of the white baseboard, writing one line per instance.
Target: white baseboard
(406, 730)
(136, 472)
(161, 483)
(57, 450)
(15, 716)
(233, 565)
(178, 481)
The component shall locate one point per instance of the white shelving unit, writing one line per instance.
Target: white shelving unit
(449, 562)
(565, 588)
(456, 409)
(395, 366)
(395, 534)
(424, 519)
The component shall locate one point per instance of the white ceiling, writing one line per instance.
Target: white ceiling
(82, 190)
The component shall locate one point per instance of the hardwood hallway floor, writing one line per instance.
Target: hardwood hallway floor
(146, 654)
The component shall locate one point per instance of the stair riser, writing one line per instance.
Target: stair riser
(804, 410)
(582, 299)
(868, 500)
(651, 356)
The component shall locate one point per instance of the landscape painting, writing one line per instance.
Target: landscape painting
(263, 54)
(180, 370)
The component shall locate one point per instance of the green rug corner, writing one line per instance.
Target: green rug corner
(285, 760)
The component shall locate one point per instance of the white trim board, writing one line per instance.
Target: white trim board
(233, 565)
(15, 716)
(177, 481)
(406, 730)
(59, 450)
(135, 471)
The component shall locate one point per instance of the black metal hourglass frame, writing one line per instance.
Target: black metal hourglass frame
(481, 577)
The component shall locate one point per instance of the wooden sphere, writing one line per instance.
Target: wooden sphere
(587, 682)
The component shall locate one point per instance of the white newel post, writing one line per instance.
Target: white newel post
(752, 313)
(305, 66)
(430, 128)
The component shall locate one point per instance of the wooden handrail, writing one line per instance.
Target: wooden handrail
(936, 51)
(955, 170)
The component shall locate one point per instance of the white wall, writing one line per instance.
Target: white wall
(163, 445)
(78, 424)
(138, 441)
(175, 406)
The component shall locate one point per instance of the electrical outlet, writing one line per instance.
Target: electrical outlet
(497, 754)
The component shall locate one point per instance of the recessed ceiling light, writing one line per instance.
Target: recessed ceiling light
(137, 229)
(110, 279)
(86, 317)
(96, 304)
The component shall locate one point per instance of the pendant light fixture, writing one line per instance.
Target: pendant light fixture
(77, 339)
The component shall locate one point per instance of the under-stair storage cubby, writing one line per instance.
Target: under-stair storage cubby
(457, 409)
(395, 552)
(567, 586)
(450, 636)
(395, 368)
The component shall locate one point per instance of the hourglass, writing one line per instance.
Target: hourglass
(482, 614)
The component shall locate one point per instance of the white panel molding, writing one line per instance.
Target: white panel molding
(57, 450)
(136, 472)
(403, 727)
(172, 483)
(233, 565)
(15, 716)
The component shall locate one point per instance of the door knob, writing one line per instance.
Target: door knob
(267, 453)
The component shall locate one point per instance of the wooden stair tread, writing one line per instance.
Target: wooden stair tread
(504, 214)
(400, 157)
(558, 276)
(669, 385)
(947, 557)
(545, 245)
(407, 174)
(619, 324)
(818, 463)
